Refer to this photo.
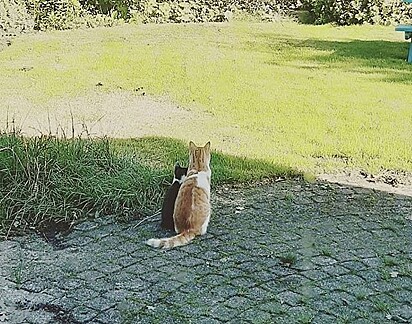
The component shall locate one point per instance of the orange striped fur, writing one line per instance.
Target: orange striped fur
(192, 208)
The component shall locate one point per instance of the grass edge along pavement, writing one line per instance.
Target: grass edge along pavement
(47, 180)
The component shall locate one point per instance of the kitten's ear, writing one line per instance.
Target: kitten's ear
(207, 146)
(177, 165)
(192, 145)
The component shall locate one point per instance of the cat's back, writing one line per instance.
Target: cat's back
(171, 195)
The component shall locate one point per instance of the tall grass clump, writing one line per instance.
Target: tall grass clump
(47, 178)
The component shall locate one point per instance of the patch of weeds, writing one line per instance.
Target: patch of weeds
(327, 252)
(385, 274)
(361, 295)
(289, 197)
(389, 227)
(304, 318)
(18, 273)
(304, 300)
(364, 314)
(406, 270)
(381, 306)
(344, 319)
(390, 261)
(242, 291)
(288, 260)
(71, 274)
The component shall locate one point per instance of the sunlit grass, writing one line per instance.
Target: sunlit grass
(312, 98)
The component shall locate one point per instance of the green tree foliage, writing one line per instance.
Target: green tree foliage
(182, 10)
(55, 14)
(350, 12)
(14, 17)
(65, 14)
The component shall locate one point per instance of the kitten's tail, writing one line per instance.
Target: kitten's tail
(178, 240)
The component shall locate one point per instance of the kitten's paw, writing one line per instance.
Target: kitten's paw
(153, 242)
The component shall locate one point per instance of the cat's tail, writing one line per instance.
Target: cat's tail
(178, 240)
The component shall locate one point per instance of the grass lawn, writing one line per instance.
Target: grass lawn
(297, 98)
(312, 98)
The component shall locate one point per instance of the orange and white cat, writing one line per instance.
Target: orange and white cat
(192, 208)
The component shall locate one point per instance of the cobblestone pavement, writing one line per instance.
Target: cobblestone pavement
(287, 252)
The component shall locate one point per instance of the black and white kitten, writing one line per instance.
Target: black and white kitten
(170, 198)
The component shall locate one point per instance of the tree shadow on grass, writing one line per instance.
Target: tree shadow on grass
(384, 60)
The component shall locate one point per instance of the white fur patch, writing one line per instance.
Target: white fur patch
(153, 242)
(203, 180)
(179, 180)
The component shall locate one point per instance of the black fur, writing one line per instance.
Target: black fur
(170, 198)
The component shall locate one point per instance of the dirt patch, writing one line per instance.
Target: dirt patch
(118, 114)
(53, 233)
(390, 181)
(60, 315)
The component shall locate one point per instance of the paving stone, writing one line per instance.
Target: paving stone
(242, 282)
(403, 311)
(89, 276)
(255, 316)
(274, 306)
(315, 274)
(290, 298)
(100, 304)
(224, 292)
(238, 302)
(323, 318)
(206, 320)
(348, 251)
(84, 314)
(323, 260)
(223, 313)
(109, 316)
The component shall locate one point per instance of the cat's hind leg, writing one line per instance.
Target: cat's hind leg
(205, 224)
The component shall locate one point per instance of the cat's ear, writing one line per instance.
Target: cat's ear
(207, 146)
(192, 145)
(177, 165)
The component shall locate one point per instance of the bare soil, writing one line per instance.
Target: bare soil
(392, 182)
(118, 114)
